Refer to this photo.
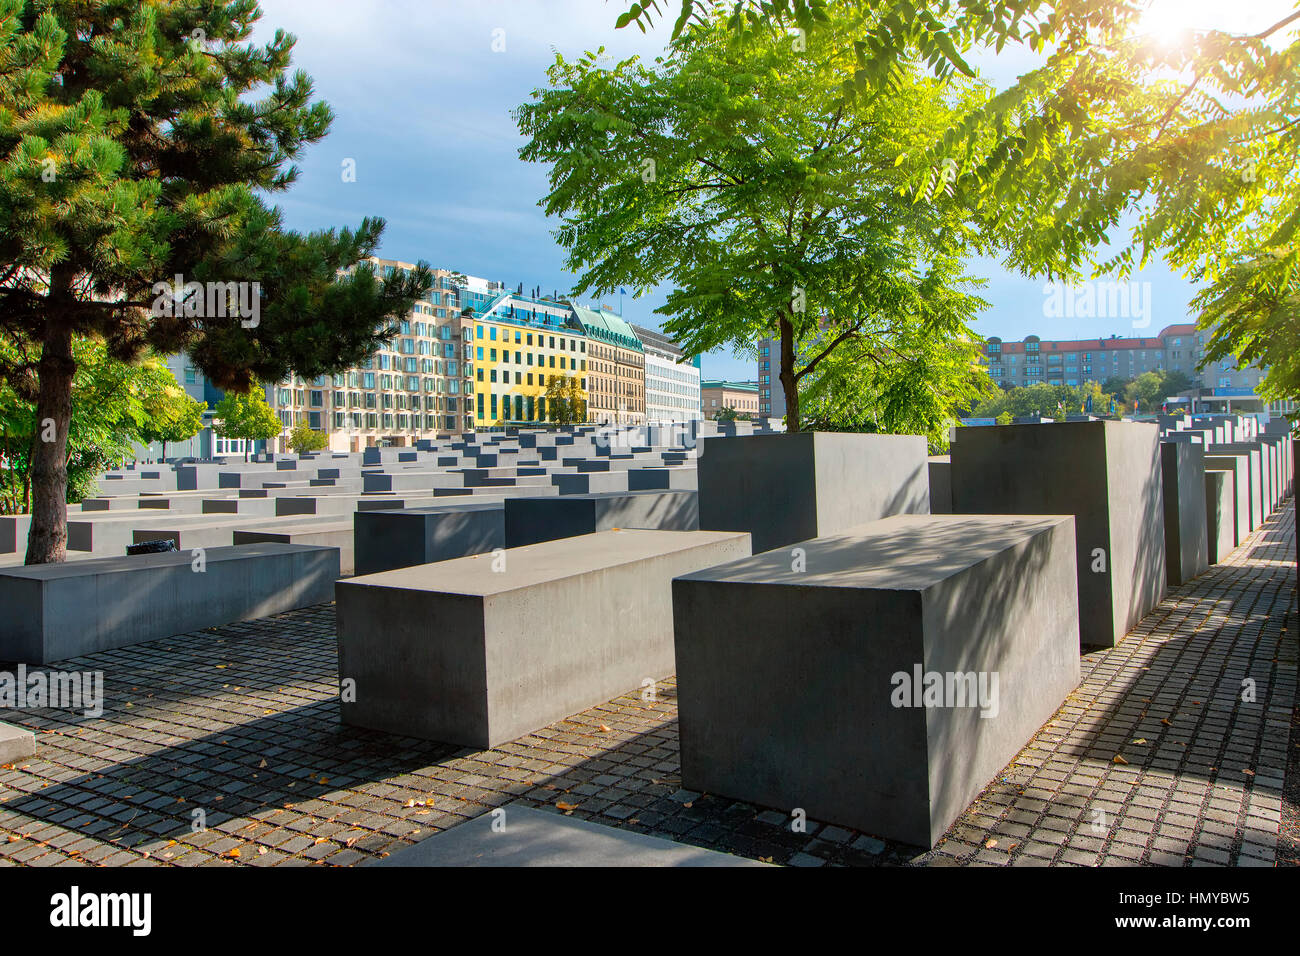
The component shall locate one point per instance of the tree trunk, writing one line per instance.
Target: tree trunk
(789, 384)
(164, 452)
(49, 471)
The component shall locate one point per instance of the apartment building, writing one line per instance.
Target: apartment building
(771, 396)
(672, 383)
(520, 343)
(615, 370)
(715, 395)
(419, 386)
(1175, 348)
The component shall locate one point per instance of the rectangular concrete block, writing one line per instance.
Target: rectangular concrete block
(533, 520)
(322, 534)
(802, 687)
(940, 470)
(1219, 508)
(399, 538)
(1182, 467)
(1238, 468)
(787, 488)
(1254, 477)
(59, 611)
(1105, 473)
(15, 743)
(479, 652)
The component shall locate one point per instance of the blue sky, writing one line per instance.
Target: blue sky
(422, 103)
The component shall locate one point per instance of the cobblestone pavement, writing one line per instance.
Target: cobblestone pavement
(224, 747)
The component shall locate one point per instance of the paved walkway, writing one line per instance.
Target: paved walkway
(224, 748)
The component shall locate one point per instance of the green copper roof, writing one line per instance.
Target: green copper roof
(607, 327)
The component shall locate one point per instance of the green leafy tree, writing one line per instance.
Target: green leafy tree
(1115, 385)
(246, 415)
(302, 438)
(726, 414)
(1040, 399)
(174, 418)
(775, 208)
(1005, 418)
(566, 402)
(112, 403)
(1194, 139)
(1253, 313)
(138, 142)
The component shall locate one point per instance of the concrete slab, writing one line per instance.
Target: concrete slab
(58, 611)
(1182, 467)
(482, 650)
(1219, 505)
(16, 743)
(1105, 473)
(524, 836)
(533, 520)
(801, 684)
(788, 488)
(400, 538)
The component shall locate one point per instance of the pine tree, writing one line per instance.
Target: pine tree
(136, 140)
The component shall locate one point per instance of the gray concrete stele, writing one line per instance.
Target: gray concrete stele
(482, 650)
(57, 611)
(802, 683)
(1182, 466)
(791, 487)
(1105, 473)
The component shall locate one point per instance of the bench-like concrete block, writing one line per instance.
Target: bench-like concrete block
(592, 483)
(1182, 466)
(13, 533)
(482, 650)
(400, 538)
(15, 743)
(533, 520)
(788, 488)
(803, 688)
(1105, 473)
(662, 479)
(539, 838)
(322, 534)
(59, 611)
(1219, 507)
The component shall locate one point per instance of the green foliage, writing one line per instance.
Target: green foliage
(1196, 142)
(302, 438)
(246, 415)
(1252, 312)
(113, 403)
(740, 175)
(1150, 389)
(138, 142)
(727, 414)
(175, 417)
(1005, 418)
(566, 402)
(1042, 399)
(921, 389)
